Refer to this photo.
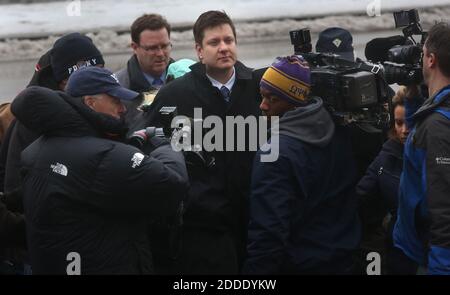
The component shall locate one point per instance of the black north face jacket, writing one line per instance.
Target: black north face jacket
(89, 195)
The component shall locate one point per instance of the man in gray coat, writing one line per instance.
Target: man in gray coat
(146, 69)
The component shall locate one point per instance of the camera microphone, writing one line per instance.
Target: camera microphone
(377, 49)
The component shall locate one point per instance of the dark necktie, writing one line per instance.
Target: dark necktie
(157, 83)
(225, 93)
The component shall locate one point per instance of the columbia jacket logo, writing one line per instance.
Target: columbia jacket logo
(137, 159)
(442, 161)
(60, 169)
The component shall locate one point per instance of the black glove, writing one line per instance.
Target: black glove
(148, 139)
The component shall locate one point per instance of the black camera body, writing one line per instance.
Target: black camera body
(353, 92)
(409, 21)
(403, 64)
(356, 89)
(179, 133)
(301, 40)
(141, 137)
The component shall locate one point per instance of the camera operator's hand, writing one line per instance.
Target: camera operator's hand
(147, 139)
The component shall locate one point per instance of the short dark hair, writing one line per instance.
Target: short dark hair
(438, 42)
(152, 22)
(211, 19)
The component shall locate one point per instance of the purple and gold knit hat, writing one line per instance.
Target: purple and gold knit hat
(288, 78)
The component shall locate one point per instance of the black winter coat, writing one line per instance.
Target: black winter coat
(378, 189)
(20, 136)
(12, 228)
(383, 176)
(303, 207)
(87, 194)
(17, 138)
(218, 195)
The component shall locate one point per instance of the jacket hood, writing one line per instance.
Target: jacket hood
(43, 74)
(55, 113)
(311, 124)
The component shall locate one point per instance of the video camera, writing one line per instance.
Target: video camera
(353, 92)
(401, 56)
(176, 135)
(141, 137)
(357, 91)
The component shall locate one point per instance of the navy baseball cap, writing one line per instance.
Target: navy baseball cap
(336, 40)
(96, 80)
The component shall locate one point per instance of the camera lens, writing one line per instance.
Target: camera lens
(402, 75)
(405, 54)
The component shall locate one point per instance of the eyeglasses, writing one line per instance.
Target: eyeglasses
(156, 48)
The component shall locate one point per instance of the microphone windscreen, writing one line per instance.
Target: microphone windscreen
(377, 49)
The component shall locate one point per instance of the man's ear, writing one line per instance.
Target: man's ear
(134, 46)
(62, 85)
(432, 60)
(199, 50)
(89, 101)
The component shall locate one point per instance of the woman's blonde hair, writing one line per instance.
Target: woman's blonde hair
(399, 97)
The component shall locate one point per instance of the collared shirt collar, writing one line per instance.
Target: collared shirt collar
(229, 83)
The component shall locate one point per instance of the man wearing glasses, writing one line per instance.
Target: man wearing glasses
(146, 69)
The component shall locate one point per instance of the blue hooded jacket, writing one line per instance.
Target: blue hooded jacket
(303, 213)
(422, 228)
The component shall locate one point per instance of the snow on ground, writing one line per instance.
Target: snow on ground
(49, 18)
(109, 41)
(262, 26)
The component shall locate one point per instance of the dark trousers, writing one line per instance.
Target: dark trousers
(399, 263)
(338, 266)
(206, 251)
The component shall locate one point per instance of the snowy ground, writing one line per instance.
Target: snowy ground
(60, 17)
(110, 41)
(262, 27)
(18, 73)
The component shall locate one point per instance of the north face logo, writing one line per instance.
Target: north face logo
(137, 159)
(59, 169)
